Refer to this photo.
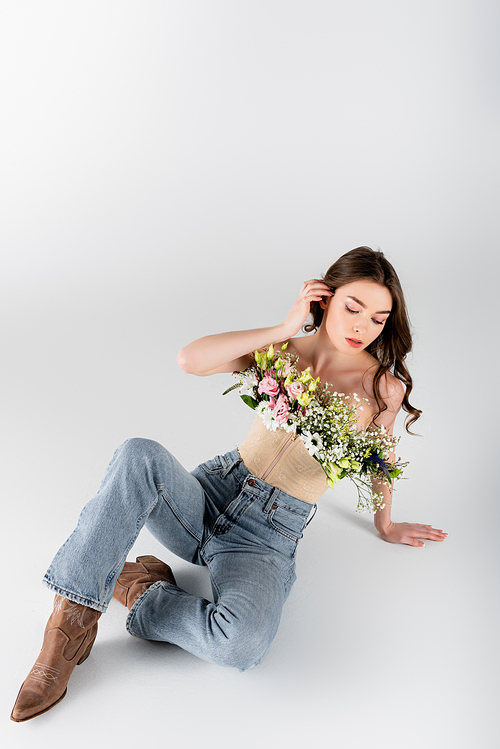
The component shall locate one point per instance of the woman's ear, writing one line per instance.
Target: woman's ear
(323, 303)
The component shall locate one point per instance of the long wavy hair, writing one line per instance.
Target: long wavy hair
(391, 347)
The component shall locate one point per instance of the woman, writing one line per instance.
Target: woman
(242, 513)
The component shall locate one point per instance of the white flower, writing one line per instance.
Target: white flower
(248, 383)
(312, 442)
(267, 418)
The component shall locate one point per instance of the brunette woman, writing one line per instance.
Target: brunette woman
(241, 513)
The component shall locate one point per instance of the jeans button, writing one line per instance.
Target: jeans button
(251, 482)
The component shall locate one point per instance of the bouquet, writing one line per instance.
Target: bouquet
(326, 421)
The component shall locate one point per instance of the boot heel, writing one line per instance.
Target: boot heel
(148, 559)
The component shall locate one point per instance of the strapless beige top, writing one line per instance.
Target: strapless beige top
(281, 459)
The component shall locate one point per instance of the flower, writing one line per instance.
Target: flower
(306, 376)
(269, 386)
(248, 383)
(333, 472)
(294, 389)
(267, 418)
(312, 442)
(304, 399)
(280, 409)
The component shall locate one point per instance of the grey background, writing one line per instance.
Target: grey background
(173, 169)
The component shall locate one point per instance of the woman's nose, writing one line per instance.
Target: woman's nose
(360, 326)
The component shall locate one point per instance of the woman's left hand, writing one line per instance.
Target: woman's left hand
(411, 534)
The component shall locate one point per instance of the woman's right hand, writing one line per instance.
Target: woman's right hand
(312, 291)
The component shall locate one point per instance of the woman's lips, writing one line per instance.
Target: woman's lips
(354, 342)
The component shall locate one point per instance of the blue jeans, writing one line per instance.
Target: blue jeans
(244, 530)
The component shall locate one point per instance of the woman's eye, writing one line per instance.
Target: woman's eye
(356, 312)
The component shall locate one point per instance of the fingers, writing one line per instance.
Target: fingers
(434, 534)
(415, 542)
(314, 290)
(317, 283)
(417, 532)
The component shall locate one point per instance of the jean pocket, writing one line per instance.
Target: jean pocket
(286, 522)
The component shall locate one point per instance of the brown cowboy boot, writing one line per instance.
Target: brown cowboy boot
(67, 642)
(136, 577)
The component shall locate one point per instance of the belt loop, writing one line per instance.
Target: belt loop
(229, 463)
(311, 514)
(270, 501)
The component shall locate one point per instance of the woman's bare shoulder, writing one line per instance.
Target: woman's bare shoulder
(392, 391)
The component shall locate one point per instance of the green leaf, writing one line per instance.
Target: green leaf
(233, 387)
(249, 401)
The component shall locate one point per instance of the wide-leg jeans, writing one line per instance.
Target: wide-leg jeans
(245, 530)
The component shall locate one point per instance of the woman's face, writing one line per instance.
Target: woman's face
(355, 315)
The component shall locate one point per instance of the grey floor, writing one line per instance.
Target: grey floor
(175, 169)
(379, 644)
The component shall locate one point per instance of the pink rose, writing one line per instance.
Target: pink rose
(269, 386)
(280, 409)
(295, 389)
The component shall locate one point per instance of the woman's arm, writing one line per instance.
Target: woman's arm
(231, 352)
(403, 533)
(398, 533)
(226, 352)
